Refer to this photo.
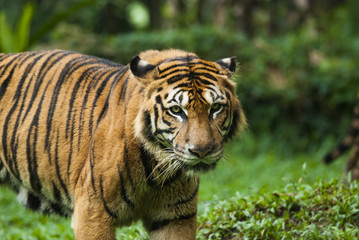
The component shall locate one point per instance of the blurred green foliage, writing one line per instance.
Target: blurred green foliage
(21, 38)
(16, 40)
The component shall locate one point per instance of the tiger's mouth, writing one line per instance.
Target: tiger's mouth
(170, 162)
(195, 165)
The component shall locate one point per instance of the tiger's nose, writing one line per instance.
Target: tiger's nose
(201, 152)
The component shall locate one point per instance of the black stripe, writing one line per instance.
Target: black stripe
(1, 165)
(56, 193)
(234, 124)
(182, 85)
(11, 160)
(156, 117)
(102, 113)
(14, 141)
(71, 147)
(206, 75)
(123, 190)
(58, 209)
(171, 67)
(148, 127)
(6, 82)
(145, 159)
(175, 96)
(66, 70)
(176, 78)
(165, 121)
(159, 100)
(190, 198)
(160, 131)
(30, 55)
(162, 223)
(92, 166)
(7, 65)
(57, 167)
(205, 82)
(3, 56)
(33, 202)
(211, 69)
(172, 178)
(97, 96)
(127, 167)
(86, 73)
(43, 70)
(174, 69)
(75, 90)
(109, 212)
(31, 144)
(107, 102)
(123, 89)
(84, 103)
(187, 59)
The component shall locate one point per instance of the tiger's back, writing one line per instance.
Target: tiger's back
(48, 100)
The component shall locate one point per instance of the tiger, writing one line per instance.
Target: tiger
(108, 144)
(351, 139)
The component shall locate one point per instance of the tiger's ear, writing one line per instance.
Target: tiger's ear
(140, 68)
(228, 65)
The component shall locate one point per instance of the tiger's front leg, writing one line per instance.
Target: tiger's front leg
(91, 222)
(180, 229)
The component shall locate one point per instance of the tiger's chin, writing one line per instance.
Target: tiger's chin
(199, 168)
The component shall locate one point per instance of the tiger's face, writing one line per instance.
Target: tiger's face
(190, 110)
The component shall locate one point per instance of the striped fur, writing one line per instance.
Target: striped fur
(109, 144)
(350, 140)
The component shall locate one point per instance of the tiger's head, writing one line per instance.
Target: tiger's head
(189, 110)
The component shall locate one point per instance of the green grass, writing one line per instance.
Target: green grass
(16, 222)
(252, 163)
(252, 169)
(323, 210)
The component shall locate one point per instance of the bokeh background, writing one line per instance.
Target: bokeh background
(297, 80)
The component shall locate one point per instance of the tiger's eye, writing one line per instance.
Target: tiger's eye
(175, 109)
(215, 106)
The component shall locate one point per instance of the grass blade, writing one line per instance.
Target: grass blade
(6, 35)
(23, 27)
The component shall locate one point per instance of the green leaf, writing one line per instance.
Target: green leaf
(57, 18)
(23, 28)
(6, 35)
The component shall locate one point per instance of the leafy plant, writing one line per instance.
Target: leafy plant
(20, 38)
(325, 210)
(16, 40)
